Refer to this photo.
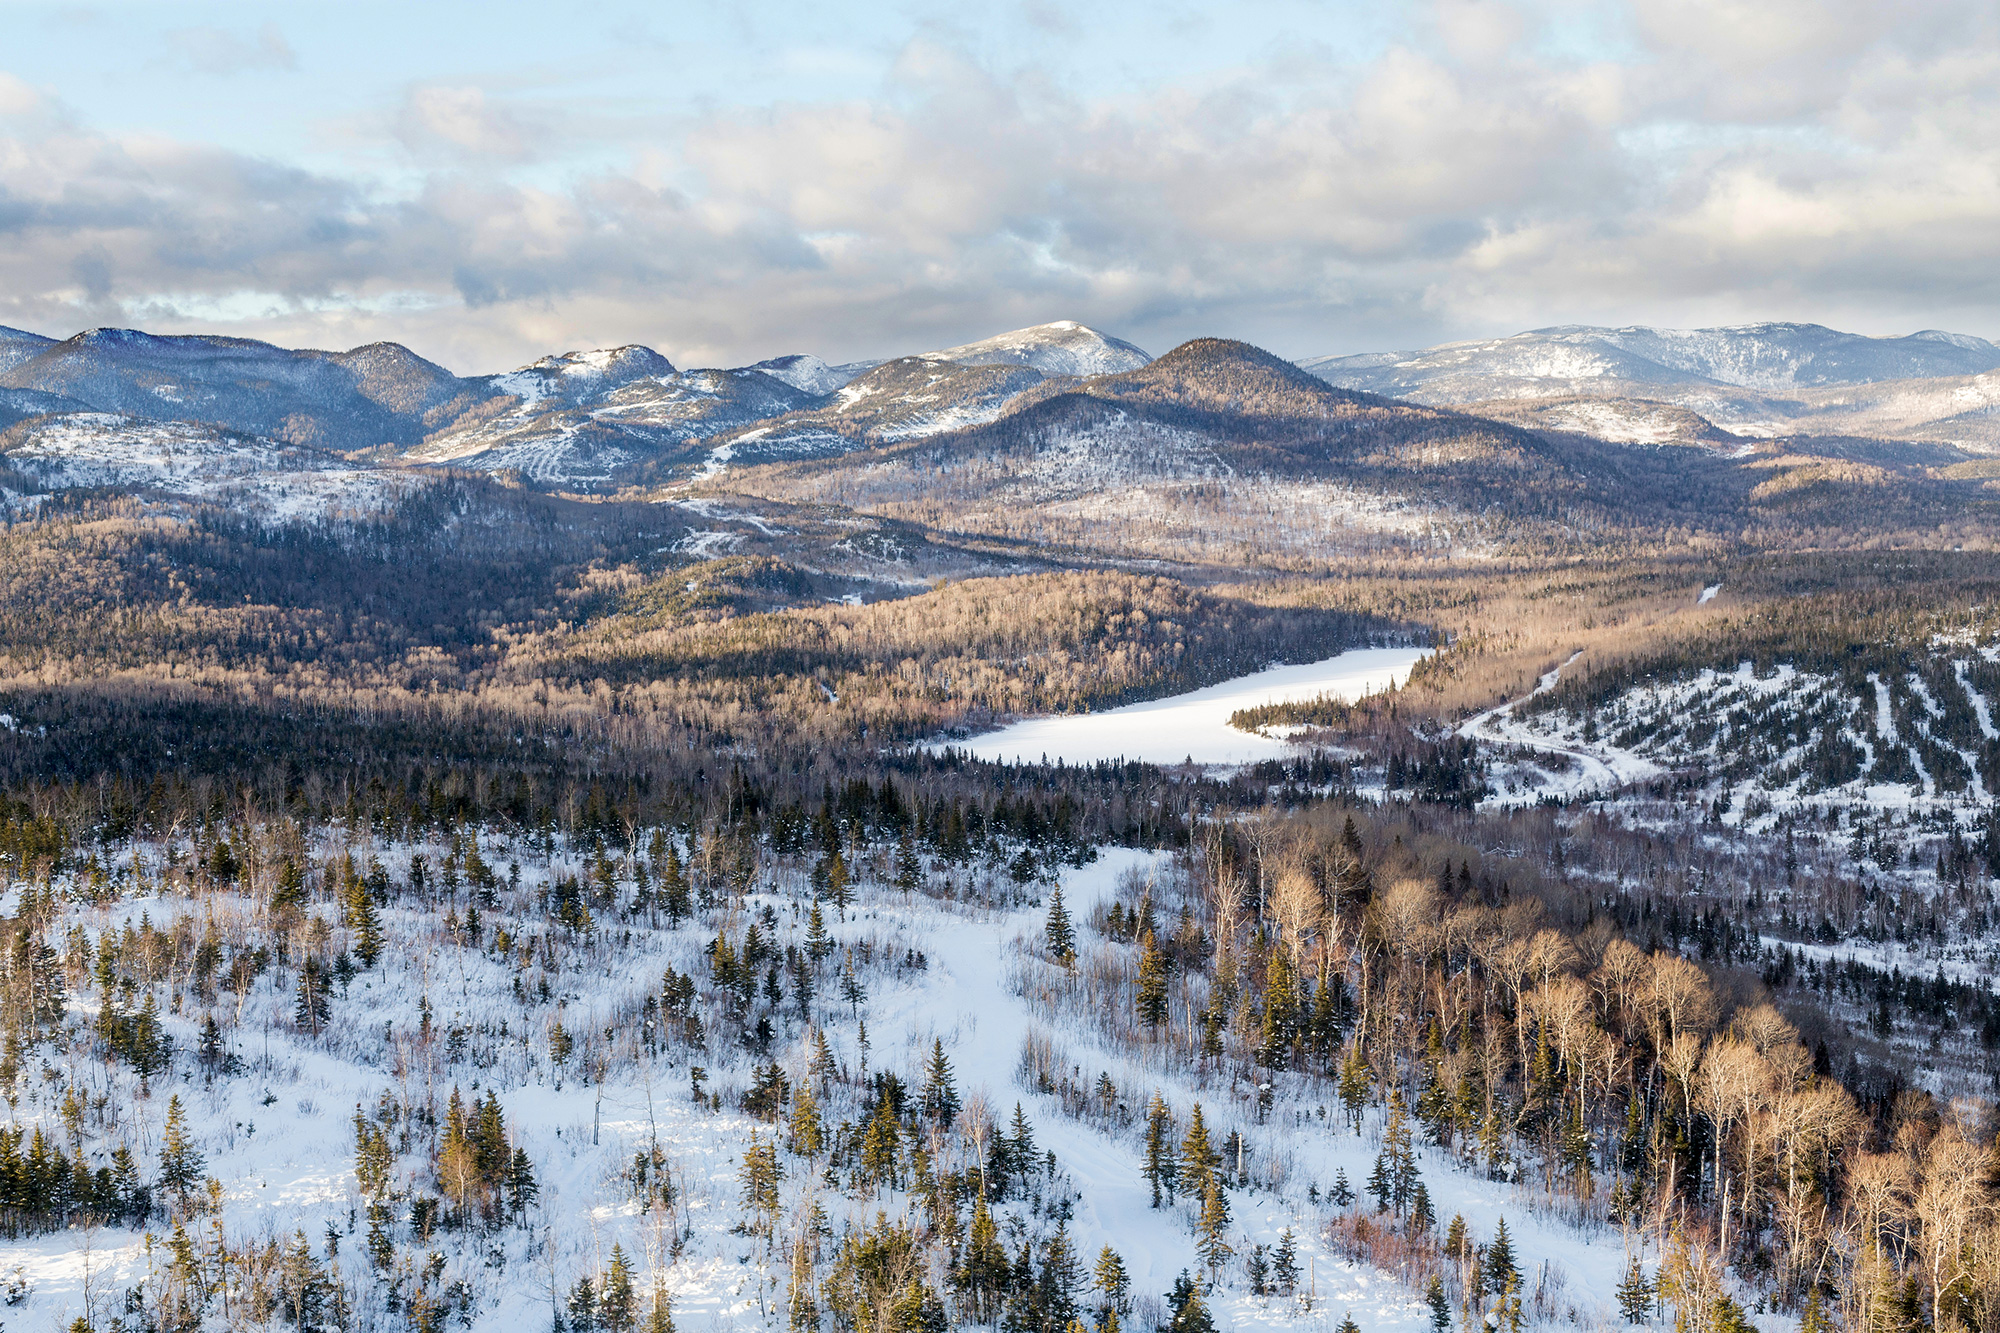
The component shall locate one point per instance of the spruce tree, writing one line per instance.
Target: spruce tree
(940, 1092)
(1061, 936)
(1198, 1156)
(1213, 1229)
(181, 1163)
(1285, 1263)
(819, 944)
(1440, 1306)
(1151, 1000)
(1503, 1270)
(617, 1307)
(1635, 1293)
(1113, 1284)
(1161, 1165)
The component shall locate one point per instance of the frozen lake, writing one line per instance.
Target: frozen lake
(1195, 725)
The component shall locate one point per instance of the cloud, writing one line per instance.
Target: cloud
(463, 122)
(218, 51)
(1475, 175)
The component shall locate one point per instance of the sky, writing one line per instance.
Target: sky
(489, 183)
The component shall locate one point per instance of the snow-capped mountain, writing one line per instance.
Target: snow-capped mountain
(250, 474)
(380, 394)
(1749, 380)
(582, 377)
(809, 374)
(1062, 348)
(1773, 358)
(551, 440)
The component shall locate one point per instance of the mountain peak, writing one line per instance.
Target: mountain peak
(1064, 347)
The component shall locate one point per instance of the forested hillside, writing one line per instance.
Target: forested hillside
(452, 898)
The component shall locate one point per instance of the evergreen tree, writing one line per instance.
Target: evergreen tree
(1440, 1306)
(1503, 1270)
(660, 1315)
(310, 1008)
(1285, 1263)
(583, 1305)
(940, 1092)
(1198, 1156)
(1114, 1285)
(1152, 993)
(1056, 1285)
(761, 1174)
(807, 1130)
(1061, 936)
(617, 1307)
(181, 1163)
(1355, 1080)
(819, 944)
(1188, 1312)
(1342, 1193)
(365, 922)
(1635, 1293)
(1161, 1166)
(1213, 1229)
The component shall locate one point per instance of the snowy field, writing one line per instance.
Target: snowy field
(279, 1138)
(1194, 727)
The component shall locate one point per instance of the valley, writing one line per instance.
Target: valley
(1029, 835)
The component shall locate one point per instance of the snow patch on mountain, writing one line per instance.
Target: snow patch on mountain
(1062, 348)
(809, 374)
(253, 475)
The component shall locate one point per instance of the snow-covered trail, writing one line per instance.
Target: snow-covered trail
(1592, 767)
(970, 1003)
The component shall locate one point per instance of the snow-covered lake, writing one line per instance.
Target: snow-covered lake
(1195, 726)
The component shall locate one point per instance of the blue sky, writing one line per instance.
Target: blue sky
(489, 182)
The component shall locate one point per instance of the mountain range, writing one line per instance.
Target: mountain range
(1647, 385)
(1054, 417)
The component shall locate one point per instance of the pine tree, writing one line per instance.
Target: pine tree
(1440, 1306)
(1152, 993)
(1198, 1156)
(1056, 1285)
(1161, 1166)
(660, 1315)
(1422, 1217)
(1114, 1285)
(819, 944)
(181, 1163)
(1503, 1271)
(940, 1093)
(1061, 936)
(583, 1305)
(310, 1008)
(1355, 1079)
(365, 922)
(1342, 1192)
(761, 1174)
(1258, 1268)
(617, 1307)
(1635, 1293)
(521, 1188)
(1189, 1311)
(807, 1131)
(1213, 1245)
(1285, 1263)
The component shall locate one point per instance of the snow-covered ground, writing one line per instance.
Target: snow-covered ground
(279, 1137)
(251, 474)
(1195, 726)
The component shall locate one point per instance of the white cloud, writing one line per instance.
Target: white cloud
(1475, 176)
